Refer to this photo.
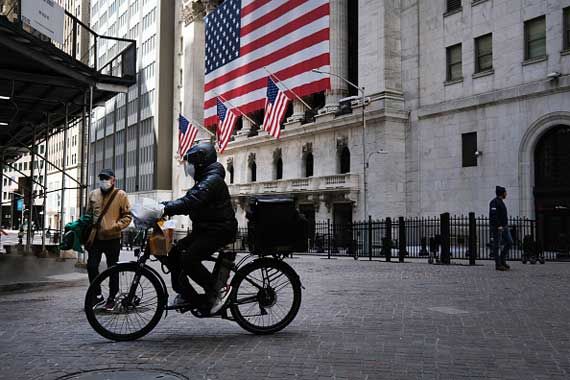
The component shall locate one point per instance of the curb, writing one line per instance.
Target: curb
(68, 279)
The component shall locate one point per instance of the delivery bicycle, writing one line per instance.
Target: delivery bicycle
(265, 295)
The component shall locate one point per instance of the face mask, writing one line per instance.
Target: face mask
(105, 185)
(189, 169)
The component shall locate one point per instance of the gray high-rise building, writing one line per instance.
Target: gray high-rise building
(132, 133)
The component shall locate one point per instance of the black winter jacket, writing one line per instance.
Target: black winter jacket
(207, 203)
(498, 216)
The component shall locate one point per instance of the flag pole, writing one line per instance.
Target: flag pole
(204, 128)
(287, 88)
(243, 114)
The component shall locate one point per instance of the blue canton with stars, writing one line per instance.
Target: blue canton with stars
(222, 110)
(223, 34)
(272, 91)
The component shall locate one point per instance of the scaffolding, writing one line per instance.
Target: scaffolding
(45, 89)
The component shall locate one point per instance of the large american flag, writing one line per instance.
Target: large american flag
(186, 135)
(275, 108)
(244, 37)
(227, 118)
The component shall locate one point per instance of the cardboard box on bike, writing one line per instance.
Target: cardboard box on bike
(275, 226)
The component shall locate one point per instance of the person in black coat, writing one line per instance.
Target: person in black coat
(499, 224)
(214, 225)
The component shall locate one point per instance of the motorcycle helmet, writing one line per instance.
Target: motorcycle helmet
(199, 157)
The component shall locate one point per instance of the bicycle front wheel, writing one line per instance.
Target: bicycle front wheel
(266, 296)
(128, 316)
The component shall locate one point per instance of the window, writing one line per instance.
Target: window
(309, 164)
(535, 38)
(253, 170)
(352, 45)
(566, 29)
(344, 160)
(453, 5)
(231, 171)
(279, 168)
(469, 149)
(454, 69)
(484, 53)
(25, 166)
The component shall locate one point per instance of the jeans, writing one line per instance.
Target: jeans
(111, 249)
(185, 259)
(503, 237)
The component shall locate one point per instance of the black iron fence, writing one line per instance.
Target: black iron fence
(445, 238)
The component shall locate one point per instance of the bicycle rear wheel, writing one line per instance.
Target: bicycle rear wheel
(266, 296)
(131, 317)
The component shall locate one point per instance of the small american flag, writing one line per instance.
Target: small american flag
(226, 124)
(186, 135)
(275, 108)
(243, 37)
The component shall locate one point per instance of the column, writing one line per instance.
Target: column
(194, 35)
(245, 130)
(338, 54)
(298, 112)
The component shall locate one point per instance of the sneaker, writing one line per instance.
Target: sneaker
(178, 302)
(109, 305)
(501, 268)
(221, 300)
(99, 300)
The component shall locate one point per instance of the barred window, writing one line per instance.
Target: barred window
(484, 53)
(454, 63)
(453, 5)
(535, 38)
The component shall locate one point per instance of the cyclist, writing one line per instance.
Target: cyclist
(213, 225)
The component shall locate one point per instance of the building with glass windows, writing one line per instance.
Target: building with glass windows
(132, 133)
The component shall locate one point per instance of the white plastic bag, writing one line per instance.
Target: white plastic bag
(147, 212)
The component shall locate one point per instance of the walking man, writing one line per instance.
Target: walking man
(500, 234)
(111, 214)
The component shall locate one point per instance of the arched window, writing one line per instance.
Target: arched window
(344, 160)
(279, 168)
(252, 167)
(309, 164)
(253, 171)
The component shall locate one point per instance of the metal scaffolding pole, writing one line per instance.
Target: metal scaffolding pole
(89, 122)
(62, 206)
(81, 155)
(31, 194)
(44, 218)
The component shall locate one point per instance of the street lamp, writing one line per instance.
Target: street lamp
(364, 162)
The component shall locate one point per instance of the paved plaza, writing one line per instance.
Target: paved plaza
(358, 320)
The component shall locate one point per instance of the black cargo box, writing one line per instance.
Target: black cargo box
(275, 226)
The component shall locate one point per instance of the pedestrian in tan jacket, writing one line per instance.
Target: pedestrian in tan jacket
(108, 238)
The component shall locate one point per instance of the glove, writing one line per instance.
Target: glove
(164, 204)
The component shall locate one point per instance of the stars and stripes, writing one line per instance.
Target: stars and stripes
(275, 107)
(243, 37)
(227, 119)
(186, 135)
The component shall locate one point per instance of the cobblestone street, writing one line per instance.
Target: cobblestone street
(358, 320)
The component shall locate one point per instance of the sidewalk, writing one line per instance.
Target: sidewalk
(19, 272)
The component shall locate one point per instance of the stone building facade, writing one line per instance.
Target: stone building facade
(458, 95)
